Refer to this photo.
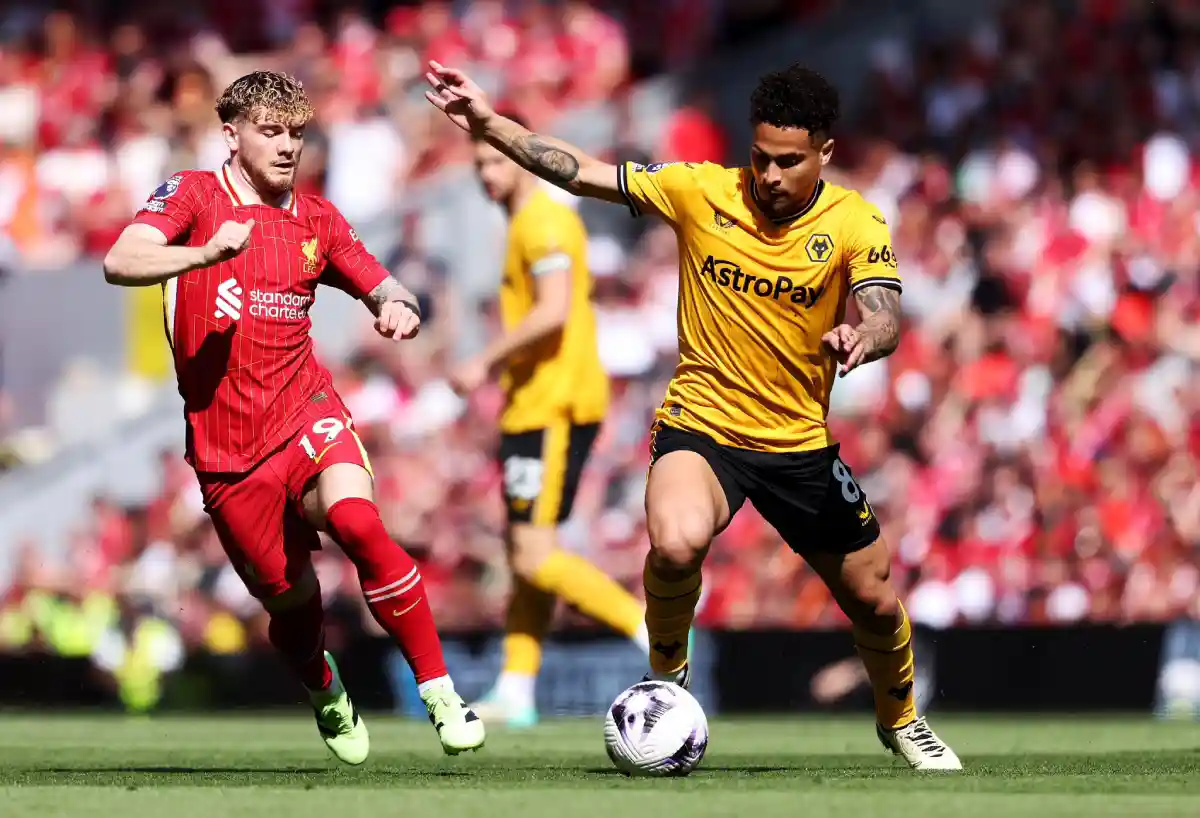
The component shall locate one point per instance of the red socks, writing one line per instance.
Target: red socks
(391, 583)
(299, 634)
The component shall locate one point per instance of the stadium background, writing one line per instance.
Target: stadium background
(1032, 449)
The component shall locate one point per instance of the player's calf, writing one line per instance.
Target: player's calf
(862, 586)
(538, 561)
(685, 508)
(543, 573)
(397, 600)
(671, 578)
(391, 582)
(296, 628)
(861, 583)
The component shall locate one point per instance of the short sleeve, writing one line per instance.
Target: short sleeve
(659, 188)
(352, 268)
(173, 206)
(871, 261)
(554, 242)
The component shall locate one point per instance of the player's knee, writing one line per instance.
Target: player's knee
(528, 548)
(353, 520)
(680, 541)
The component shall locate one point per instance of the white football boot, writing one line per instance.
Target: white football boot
(919, 746)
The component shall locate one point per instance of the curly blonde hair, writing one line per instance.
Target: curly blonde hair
(260, 94)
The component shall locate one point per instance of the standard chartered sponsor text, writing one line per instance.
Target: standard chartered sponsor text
(279, 306)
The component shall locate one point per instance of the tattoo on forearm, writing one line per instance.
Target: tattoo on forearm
(552, 164)
(880, 327)
(389, 290)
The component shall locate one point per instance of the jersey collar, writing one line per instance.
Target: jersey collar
(817, 191)
(227, 182)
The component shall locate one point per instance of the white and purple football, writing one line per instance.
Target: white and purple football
(656, 729)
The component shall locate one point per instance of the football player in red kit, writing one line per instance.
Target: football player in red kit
(238, 254)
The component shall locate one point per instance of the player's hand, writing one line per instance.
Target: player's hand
(458, 97)
(230, 240)
(398, 320)
(469, 376)
(848, 345)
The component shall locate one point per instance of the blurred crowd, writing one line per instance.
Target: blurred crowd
(92, 122)
(96, 109)
(1032, 450)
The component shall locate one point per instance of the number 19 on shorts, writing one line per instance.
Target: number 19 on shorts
(324, 435)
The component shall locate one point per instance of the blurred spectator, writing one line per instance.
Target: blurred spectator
(692, 135)
(366, 165)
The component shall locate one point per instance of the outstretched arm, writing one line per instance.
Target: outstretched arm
(555, 161)
(466, 105)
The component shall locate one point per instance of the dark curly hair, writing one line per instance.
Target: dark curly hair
(796, 97)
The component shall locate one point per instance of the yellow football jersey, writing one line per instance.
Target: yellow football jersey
(755, 297)
(561, 377)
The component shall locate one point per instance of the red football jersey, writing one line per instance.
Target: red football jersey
(239, 330)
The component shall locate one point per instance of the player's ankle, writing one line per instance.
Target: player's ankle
(439, 683)
(327, 687)
(516, 689)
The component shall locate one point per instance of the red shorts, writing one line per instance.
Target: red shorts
(259, 515)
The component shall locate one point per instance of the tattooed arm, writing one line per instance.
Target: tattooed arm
(877, 336)
(397, 314)
(879, 332)
(467, 106)
(555, 161)
(390, 290)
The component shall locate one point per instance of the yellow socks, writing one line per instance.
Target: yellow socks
(889, 663)
(590, 591)
(670, 609)
(529, 614)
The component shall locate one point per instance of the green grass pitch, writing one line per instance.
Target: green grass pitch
(270, 765)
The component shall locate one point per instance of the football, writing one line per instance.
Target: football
(656, 729)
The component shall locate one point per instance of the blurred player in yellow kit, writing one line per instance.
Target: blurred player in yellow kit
(769, 257)
(556, 394)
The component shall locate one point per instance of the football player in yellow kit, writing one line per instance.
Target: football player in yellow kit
(770, 254)
(556, 395)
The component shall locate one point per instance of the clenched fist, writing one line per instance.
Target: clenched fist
(230, 239)
(398, 320)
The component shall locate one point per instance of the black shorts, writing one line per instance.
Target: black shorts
(542, 468)
(810, 498)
